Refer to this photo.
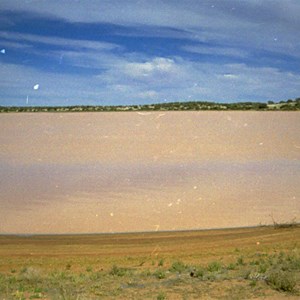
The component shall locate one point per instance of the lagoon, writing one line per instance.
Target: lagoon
(147, 171)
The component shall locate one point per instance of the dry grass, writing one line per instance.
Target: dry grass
(217, 264)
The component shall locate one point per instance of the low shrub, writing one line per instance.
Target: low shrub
(161, 262)
(281, 281)
(117, 271)
(231, 266)
(160, 274)
(32, 275)
(199, 273)
(240, 261)
(214, 266)
(161, 296)
(178, 266)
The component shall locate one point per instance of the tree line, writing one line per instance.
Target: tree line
(290, 105)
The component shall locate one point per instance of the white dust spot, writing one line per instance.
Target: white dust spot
(36, 86)
(144, 113)
(257, 243)
(96, 215)
(195, 187)
(245, 124)
(260, 144)
(231, 76)
(111, 214)
(170, 204)
(3, 51)
(160, 115)
(178, 201)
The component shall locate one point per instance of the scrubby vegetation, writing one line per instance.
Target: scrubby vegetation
(171, 106)
(227, 272)
(260, 271)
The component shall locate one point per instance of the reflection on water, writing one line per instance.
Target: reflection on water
(177, 188)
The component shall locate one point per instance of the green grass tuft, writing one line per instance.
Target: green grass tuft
(214, 266)
(178, 266)
(160, 274)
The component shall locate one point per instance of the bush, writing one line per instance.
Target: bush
(240, 261)
(161, 262)
(214, 266)
(281, 281)
(89, 269)
(199, 273)
(159, 274)
(161, 296)
(116, 271)
(262, 268)
(231, 266)
(178, 266)
(32, 275)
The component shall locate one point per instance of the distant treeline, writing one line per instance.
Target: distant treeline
(172, 106)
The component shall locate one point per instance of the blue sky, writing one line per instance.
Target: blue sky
(112, 52)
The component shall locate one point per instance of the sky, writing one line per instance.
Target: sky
(121, 52)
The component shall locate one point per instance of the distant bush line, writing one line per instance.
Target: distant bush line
(288, 105)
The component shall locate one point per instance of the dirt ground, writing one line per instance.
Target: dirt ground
(210, 264)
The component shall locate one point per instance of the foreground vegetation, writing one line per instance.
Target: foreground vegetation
(261, 262)
(289, 105)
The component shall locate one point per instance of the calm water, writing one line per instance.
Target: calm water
(108, 172)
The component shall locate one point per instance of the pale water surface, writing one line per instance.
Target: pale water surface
(112, 172)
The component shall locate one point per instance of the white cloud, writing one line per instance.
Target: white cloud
(148, 94)
(158, 65)
(128, 12)
(230, 76)
(15, 45)
(180, 80)
(217, 50)
(56, 41)
(124, 77)
(253, 24)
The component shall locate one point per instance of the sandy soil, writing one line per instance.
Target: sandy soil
(110, 172)
(80, 265)
(189, 246)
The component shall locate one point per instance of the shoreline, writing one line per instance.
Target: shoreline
(174, 232)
